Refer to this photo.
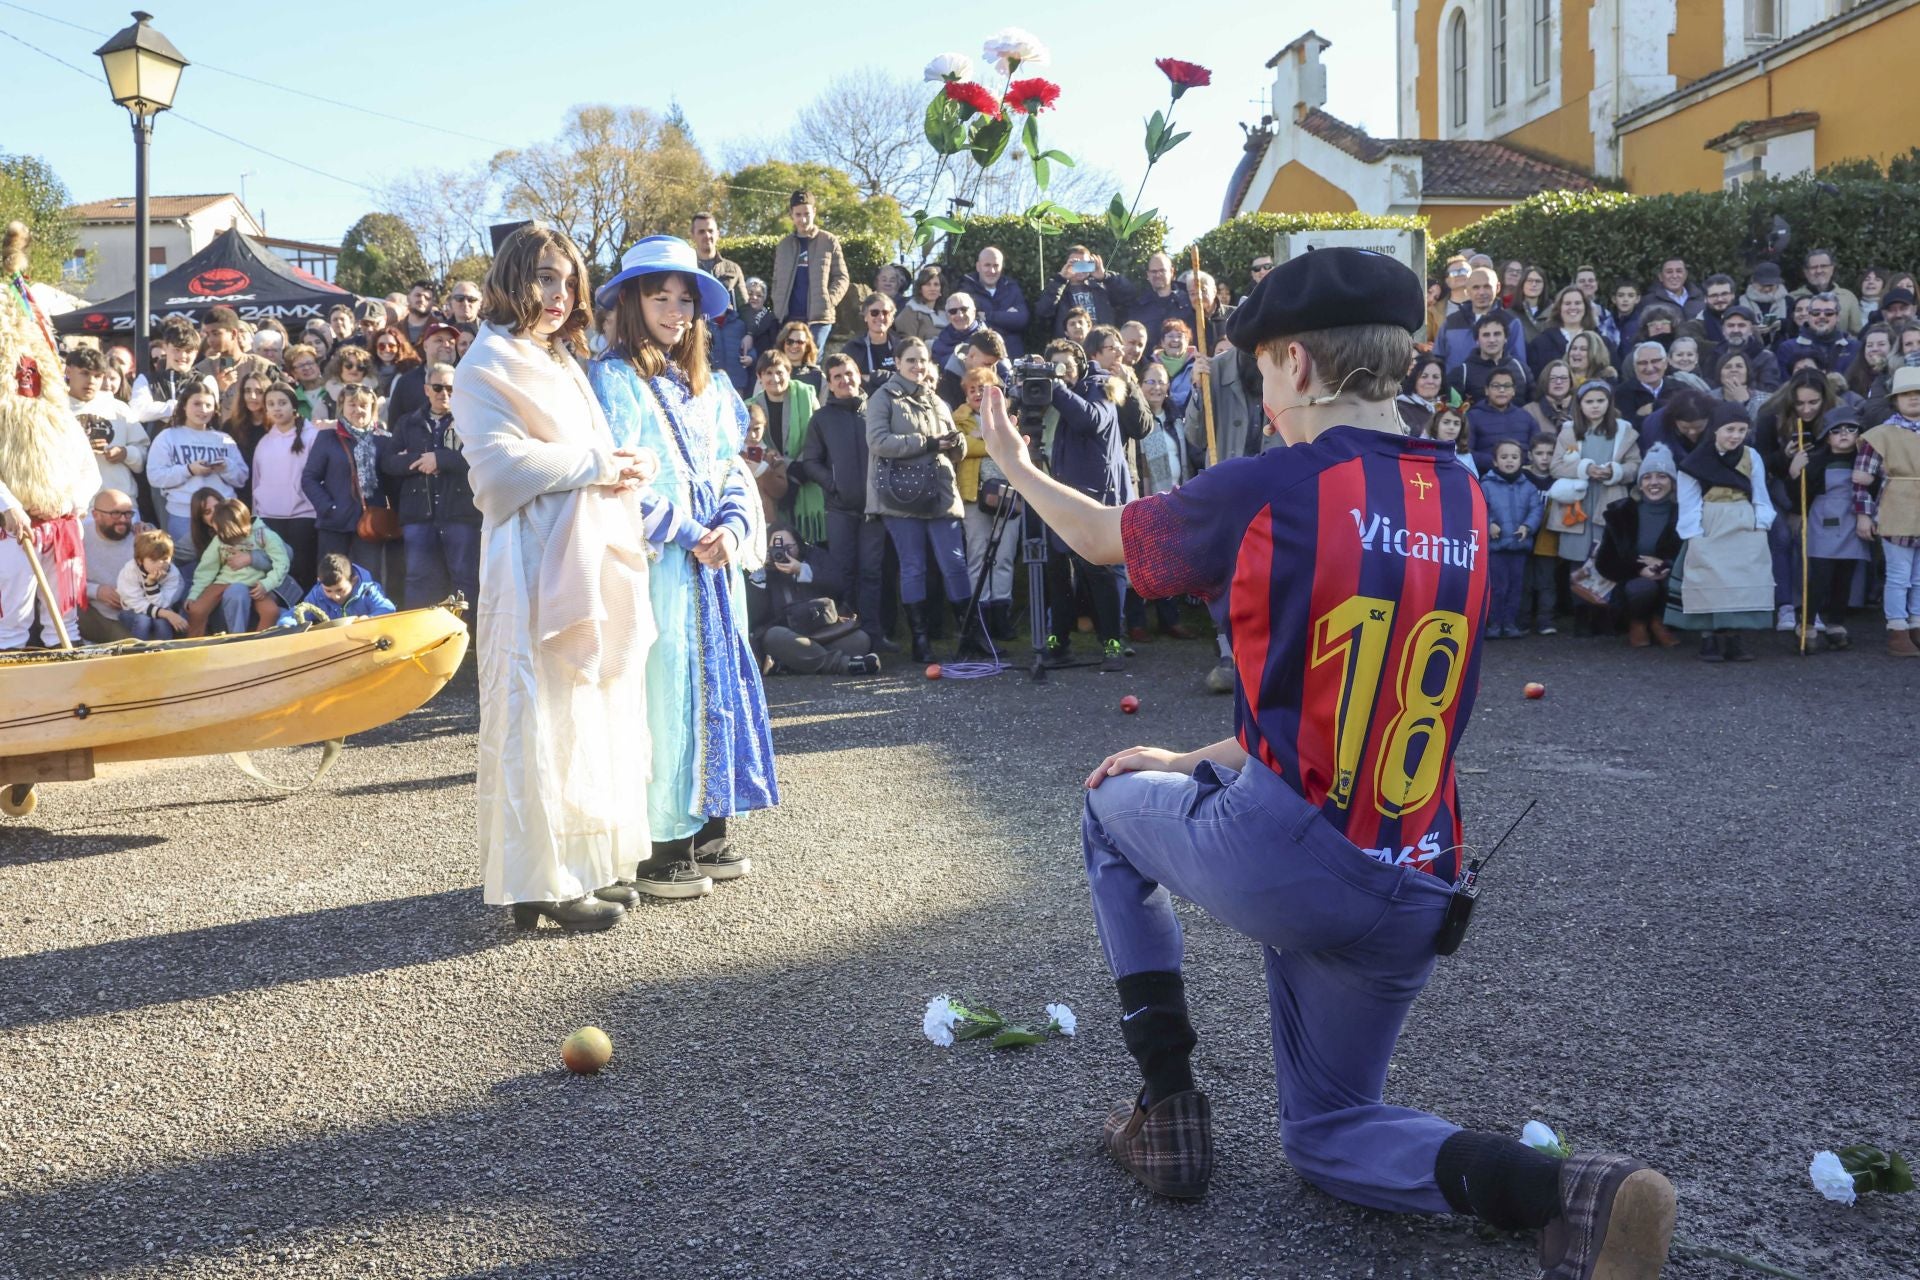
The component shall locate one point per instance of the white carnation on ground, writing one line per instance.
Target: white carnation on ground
(1830, 1177)
(1540, 1137)
(1011, 46)
(938, 1021)
(950, 66)
(1062, 1017)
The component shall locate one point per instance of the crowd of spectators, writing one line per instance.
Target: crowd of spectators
(1613, 427)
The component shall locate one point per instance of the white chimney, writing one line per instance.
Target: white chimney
(1299, 78)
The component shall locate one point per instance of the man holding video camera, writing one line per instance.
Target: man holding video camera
(1089, 456)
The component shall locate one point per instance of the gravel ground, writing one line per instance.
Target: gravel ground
(248, 1036)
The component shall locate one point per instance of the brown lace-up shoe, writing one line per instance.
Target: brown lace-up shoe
(1616, 1220)
(1168, 1147)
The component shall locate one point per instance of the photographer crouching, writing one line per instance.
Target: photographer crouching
(792, 621)
(1089, 456)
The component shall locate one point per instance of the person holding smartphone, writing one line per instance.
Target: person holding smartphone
(119, 441)
(1084, 282)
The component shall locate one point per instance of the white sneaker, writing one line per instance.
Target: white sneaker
(1784, 619)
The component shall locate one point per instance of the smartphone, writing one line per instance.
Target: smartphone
(228, 362)
(1081, 266)
(755, 453)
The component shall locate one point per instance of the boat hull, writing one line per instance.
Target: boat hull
(280, 688)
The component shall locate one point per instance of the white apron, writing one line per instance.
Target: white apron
(1729, 568)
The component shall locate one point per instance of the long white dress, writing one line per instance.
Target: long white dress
(564, 627)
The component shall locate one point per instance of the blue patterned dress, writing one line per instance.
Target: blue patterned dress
(712, 744)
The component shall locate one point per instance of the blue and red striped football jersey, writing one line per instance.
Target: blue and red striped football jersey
(1354, 576)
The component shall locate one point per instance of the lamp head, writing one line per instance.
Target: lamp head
(143, 68)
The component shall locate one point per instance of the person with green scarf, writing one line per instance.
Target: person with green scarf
(789, 405)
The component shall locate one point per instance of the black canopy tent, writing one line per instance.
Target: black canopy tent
(232, 271)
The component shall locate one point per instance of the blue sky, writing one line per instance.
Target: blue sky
(740, 70)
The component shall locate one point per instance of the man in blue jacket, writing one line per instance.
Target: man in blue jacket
(1089, 455)
(1001, 301)
(1456, 339)
(1498, 419)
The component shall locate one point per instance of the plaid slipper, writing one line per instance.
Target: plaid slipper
(1169, 1147)
(1616, 1220)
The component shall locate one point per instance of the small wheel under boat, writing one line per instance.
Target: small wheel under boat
(19, 800)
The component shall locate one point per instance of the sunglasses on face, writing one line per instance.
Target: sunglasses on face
(959, 311)
(351, 366)
(795, 342)
(439, 386)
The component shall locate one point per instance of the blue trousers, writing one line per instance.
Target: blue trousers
(144, 627)
(911, 535)
(1348, 944)
(858, 547)
(1509, 574)
(439, 556)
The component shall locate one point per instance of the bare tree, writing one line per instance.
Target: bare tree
(448, 209)
(870, 125)
(613, 175)
(1009, 187)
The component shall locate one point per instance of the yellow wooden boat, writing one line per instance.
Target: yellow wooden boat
(63, 711)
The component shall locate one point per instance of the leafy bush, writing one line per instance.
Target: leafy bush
(1863, 221)
(1022, 248)
(1226, 250)
(864, 253)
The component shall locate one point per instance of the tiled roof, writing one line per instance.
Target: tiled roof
(1454, 167)
(159, 208)
(1761, 130)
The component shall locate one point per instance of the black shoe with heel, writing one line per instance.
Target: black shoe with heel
(583, 914)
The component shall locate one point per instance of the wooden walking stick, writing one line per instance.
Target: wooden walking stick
(46, 591)
(1806, 619)
(1205, 380)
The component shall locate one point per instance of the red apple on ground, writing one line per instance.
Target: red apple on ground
(586, 1051)
(1129, 704)
(933, 671)
(1535, 689)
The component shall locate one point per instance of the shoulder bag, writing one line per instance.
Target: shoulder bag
(377, 524)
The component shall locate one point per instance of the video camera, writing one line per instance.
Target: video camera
(1033, 378)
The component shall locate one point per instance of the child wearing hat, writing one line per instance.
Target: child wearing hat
(1516, 507)
(1832, 534)
(1722, 580)
(1886, 504)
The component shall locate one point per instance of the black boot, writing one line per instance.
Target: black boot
(1000, 620)
(1735, 651)
(917, 625)
(1710, 647)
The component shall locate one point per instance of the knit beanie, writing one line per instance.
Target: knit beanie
(1659, 460)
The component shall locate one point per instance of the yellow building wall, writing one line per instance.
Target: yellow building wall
(1426, 86)
(1845, 81)
(1298, 189)
(1563, 133)
(1576, 58)
(1695, 49)
(1443, 219)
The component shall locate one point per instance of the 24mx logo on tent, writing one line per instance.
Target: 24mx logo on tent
(218, 282)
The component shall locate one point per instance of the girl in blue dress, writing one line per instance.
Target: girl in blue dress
(712, 747)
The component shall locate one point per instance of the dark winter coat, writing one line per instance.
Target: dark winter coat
(446, 496)
(1618, 554)
(1512, 504)
(835, 455)
(328, 481)
(1089, 450)
(1004, 309)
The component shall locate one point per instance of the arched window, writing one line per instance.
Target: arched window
(1457, 68)
(1497, 53)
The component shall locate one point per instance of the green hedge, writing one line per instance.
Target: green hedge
(1864, 222)
(864, 253)
(1226, 250)
(1022, 249)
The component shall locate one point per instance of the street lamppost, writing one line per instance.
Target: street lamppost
(143, 70)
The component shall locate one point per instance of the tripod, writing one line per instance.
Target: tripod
(1033, 553)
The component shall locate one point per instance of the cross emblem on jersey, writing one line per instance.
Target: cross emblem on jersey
(1423, 484)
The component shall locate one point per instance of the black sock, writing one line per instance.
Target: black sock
(1153, 1022)
(1499, 1180)
(668, 852)
(712, 833)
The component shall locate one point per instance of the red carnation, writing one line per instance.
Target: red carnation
(1184, 75)
(1032, 96)
(972, 96)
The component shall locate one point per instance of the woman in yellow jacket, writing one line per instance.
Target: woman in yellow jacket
(983, 490)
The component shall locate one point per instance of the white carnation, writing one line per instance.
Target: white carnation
(1015, 46)
(1540, 1137)
(949, 66)
(937, 1023)
(1830, 1177)
(1062, 1018)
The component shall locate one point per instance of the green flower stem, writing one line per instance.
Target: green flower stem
(1151, 161)
(1738, 1259)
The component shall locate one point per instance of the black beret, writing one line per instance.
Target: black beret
(1327, 289)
